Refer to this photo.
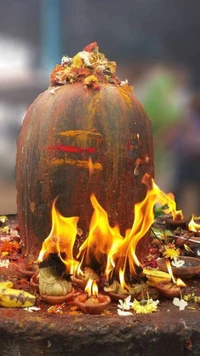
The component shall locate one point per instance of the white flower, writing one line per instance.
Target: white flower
(4, 263)
(66, 60)
(123, 82)
(53, 91)
(126, 304)
(32, 309)
(123, 313)
(178, 263)
(85, 57)
(181, 303)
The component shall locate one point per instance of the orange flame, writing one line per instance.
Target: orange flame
(115, 255)
(180, 283)
(61, 239)
(170, 201)
(169, 268)
(125, 251)
(193, 226)
(91, 288)
(101, 238)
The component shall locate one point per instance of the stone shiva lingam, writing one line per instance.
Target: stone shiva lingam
(86, 114)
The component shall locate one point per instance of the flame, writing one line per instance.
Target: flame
(170, 201)
(122, 280)
(180, 283)
(91, 288)
(91, 166)
(101, 238)
(193, 226)
(177, 281)
(104, 245)
(61, 239)
(125, 251)
(169, 268)
(105, 249)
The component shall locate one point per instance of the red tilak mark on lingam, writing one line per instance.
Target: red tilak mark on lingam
(72, 149)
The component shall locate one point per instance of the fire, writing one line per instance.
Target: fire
(61, 239)
(123, 255)
(179, 281)
(193, 226)
(91, 288)
(176, 214)
(169, 268)
(105, 250)
(102, 238)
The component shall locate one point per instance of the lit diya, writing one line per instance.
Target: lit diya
(177, 218)
(183, 267)
(91, 302)
(172, 288)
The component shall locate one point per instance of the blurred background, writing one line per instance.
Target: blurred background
(156, 46)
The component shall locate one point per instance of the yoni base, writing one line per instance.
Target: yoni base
(37, 333)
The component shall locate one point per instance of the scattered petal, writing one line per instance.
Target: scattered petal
(123, 82)
(32, 309)
(123, 313)
(57, 309)
(181, 303)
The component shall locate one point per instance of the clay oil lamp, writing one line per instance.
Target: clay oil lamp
(177, 218)
(184, 267)
(191, 236)
(170, 289)
(194, 226)
(34, 281)
(122, 289)
(91, 302)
